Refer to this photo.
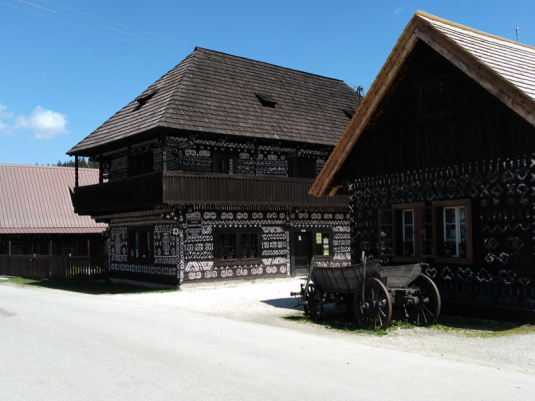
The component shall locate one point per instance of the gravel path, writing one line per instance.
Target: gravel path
(266, 301)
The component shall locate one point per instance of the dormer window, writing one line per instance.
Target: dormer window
(266, 100)
(141, 100)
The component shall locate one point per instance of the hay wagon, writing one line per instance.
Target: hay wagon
(371, 291)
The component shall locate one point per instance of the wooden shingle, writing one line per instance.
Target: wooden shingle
(212, 92)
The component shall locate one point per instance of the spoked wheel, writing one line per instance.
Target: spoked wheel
(314, 303)
(426, 311)
(375, 311)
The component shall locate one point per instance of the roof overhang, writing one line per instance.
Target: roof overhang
(420, 28)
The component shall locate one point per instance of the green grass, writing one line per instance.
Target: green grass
(92, 288)
(346, 323)
(454, 325)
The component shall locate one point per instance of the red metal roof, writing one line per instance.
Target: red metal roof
(36, 199)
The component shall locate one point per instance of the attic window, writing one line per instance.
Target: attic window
(141, 100)
(349, 114)
(266, 100)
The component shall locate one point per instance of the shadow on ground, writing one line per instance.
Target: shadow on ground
(339, 318)
(284, 303)
(91, 288)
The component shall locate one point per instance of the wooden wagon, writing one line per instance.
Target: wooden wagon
(371, 291)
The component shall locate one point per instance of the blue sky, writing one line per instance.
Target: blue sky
(66, 66)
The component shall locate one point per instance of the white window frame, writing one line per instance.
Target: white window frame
(403, 225)
(457, 209)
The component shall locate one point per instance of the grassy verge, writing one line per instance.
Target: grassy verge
(346, 323)
(468, 327)
(93, 288)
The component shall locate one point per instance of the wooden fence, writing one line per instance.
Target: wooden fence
(40, 267)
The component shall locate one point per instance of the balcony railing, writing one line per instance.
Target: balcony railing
(175, 188)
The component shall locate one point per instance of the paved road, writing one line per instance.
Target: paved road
(64, 346)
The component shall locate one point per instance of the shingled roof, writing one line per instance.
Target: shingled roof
(37, 200)
(213, 92)
(504, 68)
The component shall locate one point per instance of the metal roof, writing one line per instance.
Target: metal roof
(36, 199)
(216, 93)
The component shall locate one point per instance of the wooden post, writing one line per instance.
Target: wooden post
(76, 171)
(100, 169)
(256, 157)
(128, 161)
(164, 153)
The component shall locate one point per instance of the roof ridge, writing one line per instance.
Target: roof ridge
(186, 63)
(266, 63)
(467, 28)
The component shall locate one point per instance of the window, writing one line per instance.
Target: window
(408, 232)
(322, 244)
(141, 163)
(303, 168)
(140, 243)
(433, 99)
(454, 218)
(417, 230)
(224, 163)
(237, 246)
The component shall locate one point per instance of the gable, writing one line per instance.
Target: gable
(463, 47)
(436, 116)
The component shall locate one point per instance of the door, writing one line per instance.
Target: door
(302, 250)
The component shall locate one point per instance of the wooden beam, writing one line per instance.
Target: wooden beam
(76, 171)
(164, 152)
(100, 169)
(128, 160)
(334, 190)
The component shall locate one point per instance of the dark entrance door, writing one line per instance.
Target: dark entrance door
(302, 250)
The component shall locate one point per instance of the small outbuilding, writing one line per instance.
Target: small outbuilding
(439, 163)
(37, 215)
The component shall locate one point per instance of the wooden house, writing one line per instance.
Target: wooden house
(206, 174)
(439, 163)
(37, 216)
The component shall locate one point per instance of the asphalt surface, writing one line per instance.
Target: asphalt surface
(58, 345)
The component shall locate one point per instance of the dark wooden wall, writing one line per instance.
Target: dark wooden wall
(475, 125)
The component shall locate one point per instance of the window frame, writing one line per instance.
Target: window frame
(149, 230)
(437, 230)
(435, 113)
(238, 260)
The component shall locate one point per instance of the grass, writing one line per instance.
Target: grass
(455, 325)
(92, 288)
(340, 320)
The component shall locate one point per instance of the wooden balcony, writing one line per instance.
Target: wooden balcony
(172, 188)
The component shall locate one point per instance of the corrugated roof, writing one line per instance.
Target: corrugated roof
(36, 199)
(213, 92)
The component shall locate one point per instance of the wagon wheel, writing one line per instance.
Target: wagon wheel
(376, 310)
(314, 303)
(427, 310)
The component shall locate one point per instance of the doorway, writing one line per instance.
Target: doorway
(302, 251)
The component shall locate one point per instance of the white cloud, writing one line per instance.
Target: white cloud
(44, 124)
(397, 10)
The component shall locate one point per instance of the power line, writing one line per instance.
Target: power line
(99, 25)
(113, 22)
(88, 29)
